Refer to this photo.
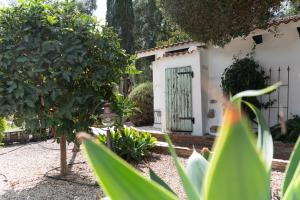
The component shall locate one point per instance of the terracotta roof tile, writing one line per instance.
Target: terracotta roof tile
(166, 46)
(284, 20)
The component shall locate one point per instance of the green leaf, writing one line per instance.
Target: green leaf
(264, 138)
(196, 168)
(12, 87)
(291, 169)
(21, 59)
(52, 20)
(190, 190)
(293, 190)
(236, 170)
(254, 93)
(119, 180)
(157, 179)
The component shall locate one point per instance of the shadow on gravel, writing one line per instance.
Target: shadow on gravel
(54, 189)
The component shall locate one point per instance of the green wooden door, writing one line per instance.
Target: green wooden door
(179, 115)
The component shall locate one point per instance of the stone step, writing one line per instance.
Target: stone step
(162, 148)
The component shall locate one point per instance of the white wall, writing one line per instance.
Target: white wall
(282, 51)
(159, 66)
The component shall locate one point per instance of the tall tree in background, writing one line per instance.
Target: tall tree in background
(119, 15)
(151, 30)
(151, 27)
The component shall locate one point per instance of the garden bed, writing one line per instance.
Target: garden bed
(24, 170)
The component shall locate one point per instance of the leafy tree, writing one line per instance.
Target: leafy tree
(175, 36)
(151, 30)
(57, 66)
(119, 15)
(150, 25)
(218, 21)
(293, 8)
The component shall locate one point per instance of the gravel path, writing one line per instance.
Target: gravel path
(24, 169)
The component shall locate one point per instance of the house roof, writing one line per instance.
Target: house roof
(274, 22)
(284, 20)
(166, 46)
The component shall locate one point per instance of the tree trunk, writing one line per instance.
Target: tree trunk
(63, 155)
(109, 139)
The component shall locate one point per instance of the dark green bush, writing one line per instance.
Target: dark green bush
(142, 97)
(244, 74)
(292, 130)
(130, 144)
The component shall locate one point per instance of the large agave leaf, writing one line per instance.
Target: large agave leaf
(119, 180)
(186, 182)
(293, 190)
(291, 169)
(236, 170)
(196, 169)
(255, 93)
(264, 138)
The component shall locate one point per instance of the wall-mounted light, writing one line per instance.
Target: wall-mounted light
(258, 39)
(298, 29)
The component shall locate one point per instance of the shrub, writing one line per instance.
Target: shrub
(291, 133)
(142, 97)
(244, 74)
(130, 144)
(248, 167)
(124, 108)
(3, 127)
(3, 124)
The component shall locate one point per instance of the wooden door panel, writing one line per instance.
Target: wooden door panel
(179, 99)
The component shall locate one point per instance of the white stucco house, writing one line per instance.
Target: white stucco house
(187, 77)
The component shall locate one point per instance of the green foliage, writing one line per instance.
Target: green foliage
(118, 179)
(143, 64)
(292, 167)
(219, 21)
(175, 36)
(119, 15)
(3, 127)
(244, 74)
(3, 124)
(152, 28)
(291, 8)
(292, 131)
(150, 25)
(56, 65)
(130, 144)
(86, 6)
(142, 97)
(248, 166)
(124, 108)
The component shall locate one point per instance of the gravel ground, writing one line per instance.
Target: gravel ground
(22, 174)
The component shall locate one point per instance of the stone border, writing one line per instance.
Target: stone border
(185, 152)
